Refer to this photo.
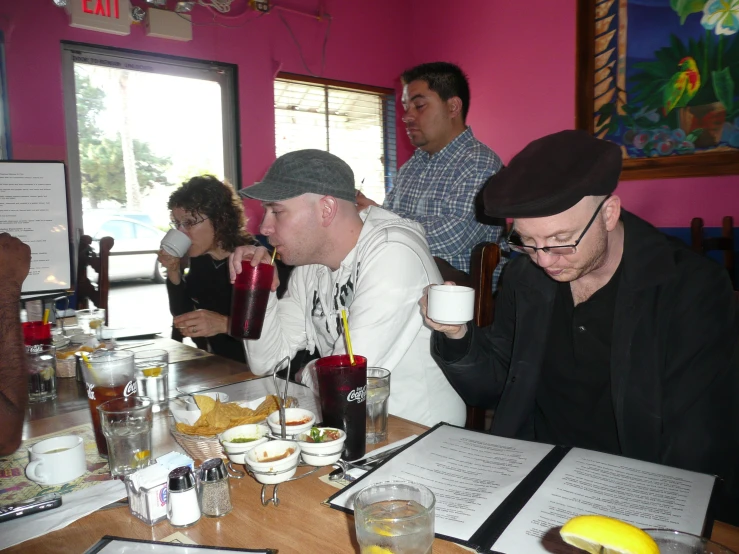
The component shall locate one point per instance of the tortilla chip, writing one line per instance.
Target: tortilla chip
(205, 403)
(216, 417)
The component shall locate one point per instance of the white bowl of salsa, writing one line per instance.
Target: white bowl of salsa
(297, 421)
(321, 446)
(274, 461)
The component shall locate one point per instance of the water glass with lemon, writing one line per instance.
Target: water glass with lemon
(395, 518)
(126, 424)
(598, 534)
(152, 376)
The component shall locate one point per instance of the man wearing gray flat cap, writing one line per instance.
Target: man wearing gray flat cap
(608, 335)
(373, 264)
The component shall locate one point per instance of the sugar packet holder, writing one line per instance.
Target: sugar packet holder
(147, 488)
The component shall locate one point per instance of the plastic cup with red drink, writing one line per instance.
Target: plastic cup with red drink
(249, 300)
(342, 387)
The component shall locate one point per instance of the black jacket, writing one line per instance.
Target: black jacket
(674, 357)
(206, 287)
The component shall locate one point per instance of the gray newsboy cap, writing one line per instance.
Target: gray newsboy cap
(302, 171)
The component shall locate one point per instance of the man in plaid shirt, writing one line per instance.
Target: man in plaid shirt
(437, 187)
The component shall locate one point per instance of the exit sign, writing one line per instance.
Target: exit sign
(107, 16)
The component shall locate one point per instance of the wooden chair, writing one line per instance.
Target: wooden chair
(484, 259)
(724, 243)
(86, 291)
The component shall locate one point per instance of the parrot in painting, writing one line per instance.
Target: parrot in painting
(682, 86)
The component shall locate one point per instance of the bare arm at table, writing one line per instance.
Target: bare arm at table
(15, 261)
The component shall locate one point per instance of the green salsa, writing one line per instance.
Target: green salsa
(242, 439)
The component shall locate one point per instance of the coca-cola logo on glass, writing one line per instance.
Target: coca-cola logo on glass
(358, 395)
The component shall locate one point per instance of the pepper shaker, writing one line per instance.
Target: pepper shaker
(183, 508)
(215, 493)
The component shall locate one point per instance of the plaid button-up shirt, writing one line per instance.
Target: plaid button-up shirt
(439, 192)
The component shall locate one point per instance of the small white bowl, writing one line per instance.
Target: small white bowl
(321, 453)
(237, 450)
(292, 415)
(190, 401)
(271, 473)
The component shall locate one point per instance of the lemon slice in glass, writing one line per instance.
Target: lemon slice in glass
(374, 549)
(141, 458)
(152, 372)
(590, 533)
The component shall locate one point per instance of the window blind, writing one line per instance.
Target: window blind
(351, 123)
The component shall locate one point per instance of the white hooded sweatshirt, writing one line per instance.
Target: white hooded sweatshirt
(379, 283)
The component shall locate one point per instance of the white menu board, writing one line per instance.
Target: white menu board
(33, 208)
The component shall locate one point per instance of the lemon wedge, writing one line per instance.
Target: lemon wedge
(374, 549)
(140, 457)
(590, 533)
(152, 372)
(383, 530)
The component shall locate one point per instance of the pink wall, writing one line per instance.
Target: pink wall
(522, 88)
(520, 57)
(365, 45)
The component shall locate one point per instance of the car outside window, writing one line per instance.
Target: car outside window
(119, 230)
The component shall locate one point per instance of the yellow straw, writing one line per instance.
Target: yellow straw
(348, 338)
(274, 253)
(46, 316)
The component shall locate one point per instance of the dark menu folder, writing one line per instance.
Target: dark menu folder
(509, 496)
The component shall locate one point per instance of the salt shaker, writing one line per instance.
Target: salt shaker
(183, 508)
(215, 493)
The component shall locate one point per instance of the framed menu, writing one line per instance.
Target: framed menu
(34, 208)
(507, 496)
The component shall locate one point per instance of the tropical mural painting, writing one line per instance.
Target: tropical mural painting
(666, 77)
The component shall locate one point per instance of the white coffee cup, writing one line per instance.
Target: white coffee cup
(57, 460)
(451, 304)
(176, 242)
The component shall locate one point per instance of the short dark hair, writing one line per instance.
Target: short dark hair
(445, 79)
(205, 195)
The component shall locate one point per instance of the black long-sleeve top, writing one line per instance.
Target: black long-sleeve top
(207, 286)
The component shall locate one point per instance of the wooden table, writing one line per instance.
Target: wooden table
(300, 523)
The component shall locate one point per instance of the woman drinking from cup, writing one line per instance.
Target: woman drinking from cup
(211, 216)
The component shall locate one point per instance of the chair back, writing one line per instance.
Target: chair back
(724, 243)
(485, 258)
(86, 291)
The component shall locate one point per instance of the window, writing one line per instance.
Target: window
(119, 230)
(355, 122)
(138, 125)
(146, 233)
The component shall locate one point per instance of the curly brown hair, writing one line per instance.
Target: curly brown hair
(206, 196)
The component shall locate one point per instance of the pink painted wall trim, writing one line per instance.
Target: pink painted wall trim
(520, 58)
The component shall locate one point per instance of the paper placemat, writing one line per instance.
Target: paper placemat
(15, 486)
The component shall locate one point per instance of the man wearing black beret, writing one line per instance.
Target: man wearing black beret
(608, 334)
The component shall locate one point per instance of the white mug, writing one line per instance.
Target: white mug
(176, 242)
(451, 304)
(57, 460)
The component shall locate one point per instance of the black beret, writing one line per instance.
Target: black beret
(552, 174)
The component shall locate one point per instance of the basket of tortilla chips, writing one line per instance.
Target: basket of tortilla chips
(200, 440)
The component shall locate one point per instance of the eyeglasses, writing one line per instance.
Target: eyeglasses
(186, 225)
(514, 241)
